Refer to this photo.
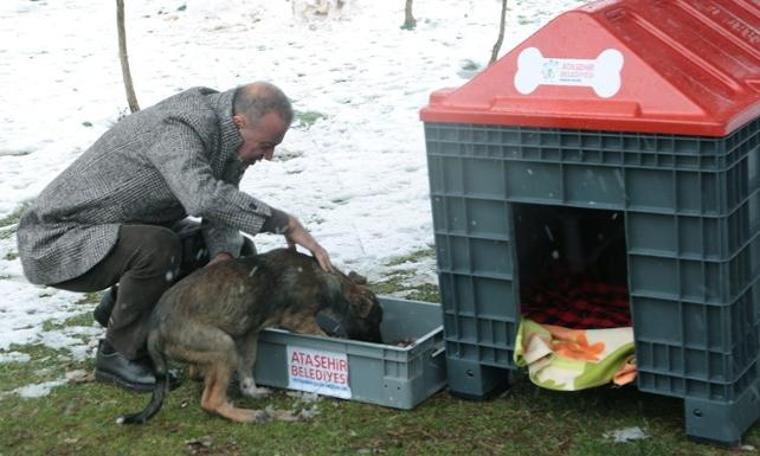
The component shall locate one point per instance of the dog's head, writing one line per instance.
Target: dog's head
(356, 314)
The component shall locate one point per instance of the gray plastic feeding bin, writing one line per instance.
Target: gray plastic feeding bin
(390, 375)
(643, 110)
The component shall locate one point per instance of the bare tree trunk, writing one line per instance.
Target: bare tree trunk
(126, 75)
(409, 20)
(497, 46)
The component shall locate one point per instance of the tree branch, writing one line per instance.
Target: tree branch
(124, 59)
(409, 20)
(497, 46)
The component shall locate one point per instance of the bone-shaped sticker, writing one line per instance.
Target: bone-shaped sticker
(601, 74)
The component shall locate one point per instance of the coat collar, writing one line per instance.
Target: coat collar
(221, 102)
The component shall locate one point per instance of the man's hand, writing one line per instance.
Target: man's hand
(297, 234)
(221, 256)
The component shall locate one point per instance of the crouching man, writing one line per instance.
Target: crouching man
(116, 217)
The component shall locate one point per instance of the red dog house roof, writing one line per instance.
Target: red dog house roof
(687, 67)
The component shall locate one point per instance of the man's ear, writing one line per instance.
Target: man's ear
(238, 120)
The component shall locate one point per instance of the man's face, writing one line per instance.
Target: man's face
(259, 140)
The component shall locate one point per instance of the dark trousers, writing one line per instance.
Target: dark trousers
(145, 262)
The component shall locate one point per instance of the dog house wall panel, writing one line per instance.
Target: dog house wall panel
(692, 229)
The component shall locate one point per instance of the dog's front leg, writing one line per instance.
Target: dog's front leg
(247, 347)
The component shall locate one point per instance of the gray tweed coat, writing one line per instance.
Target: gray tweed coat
(156, 166)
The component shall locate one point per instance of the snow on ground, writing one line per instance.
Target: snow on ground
(357, 177)
(35, 389)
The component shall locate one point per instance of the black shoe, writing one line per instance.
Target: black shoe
(134, 375)
(103, 311)
(113, 367)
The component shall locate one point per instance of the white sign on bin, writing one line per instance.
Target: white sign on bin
(317, 371)
(601, 74)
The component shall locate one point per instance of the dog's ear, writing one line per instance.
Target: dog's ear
(357, 278)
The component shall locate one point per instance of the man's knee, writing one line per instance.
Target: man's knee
(160, 249)
(166, 246)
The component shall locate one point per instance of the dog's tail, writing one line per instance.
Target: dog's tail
(159, 391)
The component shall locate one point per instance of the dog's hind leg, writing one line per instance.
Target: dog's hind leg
(247, 347)
(215, 351)
(215, 400)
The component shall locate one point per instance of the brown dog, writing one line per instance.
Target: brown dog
(212, 319)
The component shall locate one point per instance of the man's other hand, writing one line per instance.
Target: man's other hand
(219, 257)
(297, 234)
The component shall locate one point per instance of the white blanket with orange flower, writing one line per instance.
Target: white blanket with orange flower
(574, 359)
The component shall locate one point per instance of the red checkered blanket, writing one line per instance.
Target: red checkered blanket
(577, 302)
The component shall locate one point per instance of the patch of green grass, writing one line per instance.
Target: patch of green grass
(7, 233)
(83, 319)
(470, 65)
(50, 325)
(45, 364)
(393, 283)
(426, 292)
(413, 257)
(10, 256)
(305, 119)
(15, 216)
(11, 219)
(397, 282)
(80, 419)
(523, 20)
(90, 298)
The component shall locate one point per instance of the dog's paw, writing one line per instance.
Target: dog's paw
(259, 392)
(248, 388)
(281, 415)
(261, 416)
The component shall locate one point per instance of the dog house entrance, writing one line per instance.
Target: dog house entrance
(572, 266)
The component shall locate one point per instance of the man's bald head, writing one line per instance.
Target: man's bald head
(257, 99)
